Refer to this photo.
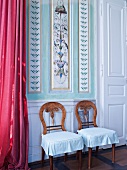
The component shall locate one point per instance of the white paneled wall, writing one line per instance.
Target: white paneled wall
(35, 128)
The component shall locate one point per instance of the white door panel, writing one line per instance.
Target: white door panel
(114, 63)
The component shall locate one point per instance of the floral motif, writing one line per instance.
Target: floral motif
(60, 39)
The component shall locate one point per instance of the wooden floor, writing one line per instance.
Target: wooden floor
(100, 162)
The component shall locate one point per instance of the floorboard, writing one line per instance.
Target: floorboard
(103, 161)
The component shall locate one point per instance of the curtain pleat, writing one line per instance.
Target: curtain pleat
(13, 103)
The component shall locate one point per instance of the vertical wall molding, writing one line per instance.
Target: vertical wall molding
(83, 45)
(60, 45)
(34, 46)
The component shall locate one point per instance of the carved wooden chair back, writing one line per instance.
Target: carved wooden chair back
(83, 119)
(51, 108)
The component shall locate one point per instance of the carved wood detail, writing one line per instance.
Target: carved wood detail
(50, 108)
(86, 106)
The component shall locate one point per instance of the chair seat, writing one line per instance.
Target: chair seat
(96, 136)
(61, 142)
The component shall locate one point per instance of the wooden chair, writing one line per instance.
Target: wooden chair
(58, 142)
(94, 136)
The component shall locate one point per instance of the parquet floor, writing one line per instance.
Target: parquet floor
(100, 162)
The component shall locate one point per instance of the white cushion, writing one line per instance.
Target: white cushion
(96, 136)
(61, 142)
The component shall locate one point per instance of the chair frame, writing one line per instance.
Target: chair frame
(87, 105)
(53, 107)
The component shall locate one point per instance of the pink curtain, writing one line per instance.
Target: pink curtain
(13, 103)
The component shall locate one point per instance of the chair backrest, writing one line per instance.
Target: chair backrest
(83, 120)
(51, 108)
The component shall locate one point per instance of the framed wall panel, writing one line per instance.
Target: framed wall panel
(34, 46)
(60, 45)
(84, 46)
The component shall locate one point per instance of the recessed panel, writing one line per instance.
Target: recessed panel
(115, 40)
(34, 130)
(116, 90)
(116, 113)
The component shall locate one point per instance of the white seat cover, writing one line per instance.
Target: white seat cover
(96, 136)
(61, 142)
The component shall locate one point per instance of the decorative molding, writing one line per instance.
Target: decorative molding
(65, 102)
(83, 45)
(60, 45)
(34, 46)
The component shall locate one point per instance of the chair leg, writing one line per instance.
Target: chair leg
(80, 159)
(51, 162)
(89, 157)
(43, 155)
(113, 153)
(65, 157)
(77, 155)
(97, 148)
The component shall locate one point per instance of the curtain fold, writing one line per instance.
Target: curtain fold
(13, 102)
